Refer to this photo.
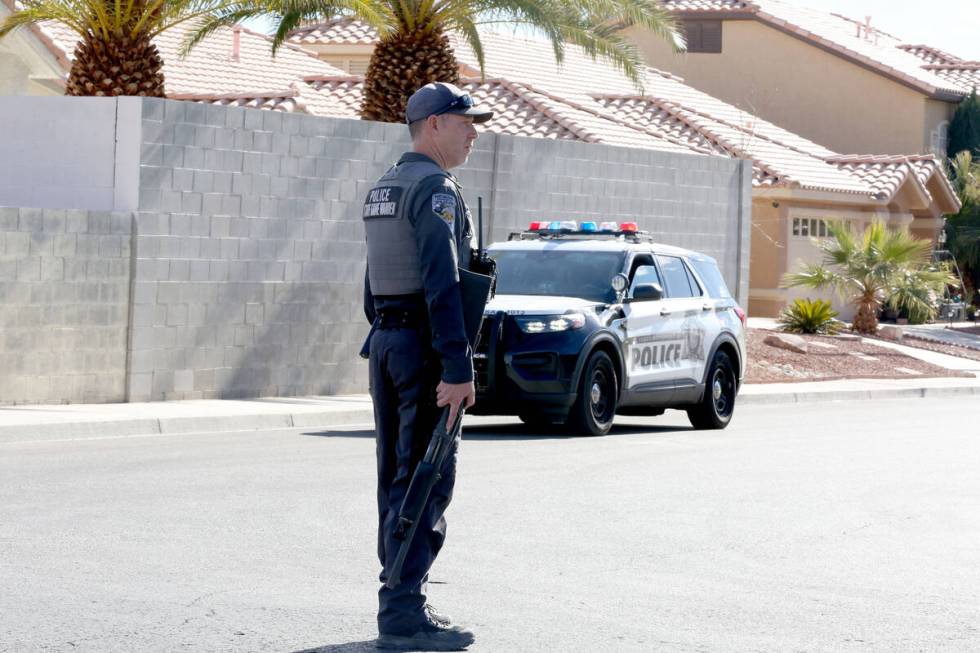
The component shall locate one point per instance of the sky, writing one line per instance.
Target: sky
(950, 25)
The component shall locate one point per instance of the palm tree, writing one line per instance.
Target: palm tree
(963, 229)
(883, 267)
(414, 48)
(115, 54)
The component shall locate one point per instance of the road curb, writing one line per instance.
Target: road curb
(120, 428)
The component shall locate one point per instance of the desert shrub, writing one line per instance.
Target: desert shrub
(809, 316)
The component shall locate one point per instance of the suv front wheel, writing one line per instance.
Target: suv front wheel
(598, 394)
(718, 404)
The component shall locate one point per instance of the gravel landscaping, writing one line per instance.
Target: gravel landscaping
(829, 358)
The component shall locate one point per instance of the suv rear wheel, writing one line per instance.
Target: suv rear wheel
(598, 394)
(718, 404)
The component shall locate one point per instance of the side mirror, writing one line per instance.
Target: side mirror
(620, 282)
(648, 292)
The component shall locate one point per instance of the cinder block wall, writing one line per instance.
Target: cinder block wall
(64, 292)
(248, 251)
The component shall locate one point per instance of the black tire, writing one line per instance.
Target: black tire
(598, 395)
(718, 404)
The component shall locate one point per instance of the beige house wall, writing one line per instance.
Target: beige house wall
(804, 89)
(768, 260)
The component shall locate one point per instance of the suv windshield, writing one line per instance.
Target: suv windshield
(587, 275)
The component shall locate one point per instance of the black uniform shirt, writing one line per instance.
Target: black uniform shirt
(443, 232)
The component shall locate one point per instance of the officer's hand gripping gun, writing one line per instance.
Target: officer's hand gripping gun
(476, 287)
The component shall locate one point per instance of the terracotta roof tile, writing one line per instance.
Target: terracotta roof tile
(708, 5)
(286, 101)
(929, 54)
(519, 110)
(343, 31)
(965, 74)
(210, 68)
(887, 174)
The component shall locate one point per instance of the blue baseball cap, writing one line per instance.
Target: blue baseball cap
(438, 98)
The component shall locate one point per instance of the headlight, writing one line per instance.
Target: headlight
(550, 323)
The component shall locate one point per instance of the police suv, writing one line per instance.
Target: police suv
(592, 320)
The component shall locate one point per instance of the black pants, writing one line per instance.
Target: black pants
(404, 375)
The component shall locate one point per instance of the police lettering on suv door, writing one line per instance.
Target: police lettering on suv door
(668, 350)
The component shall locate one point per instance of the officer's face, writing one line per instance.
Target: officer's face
(455, 135)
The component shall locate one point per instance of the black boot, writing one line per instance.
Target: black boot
(430, 636)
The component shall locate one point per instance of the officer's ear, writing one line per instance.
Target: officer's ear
(433, 122)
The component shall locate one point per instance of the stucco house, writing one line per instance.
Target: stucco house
(837, 81)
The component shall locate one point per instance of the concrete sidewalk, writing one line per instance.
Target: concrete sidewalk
(80, 421)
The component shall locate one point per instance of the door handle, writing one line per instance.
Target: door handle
(706, 307)
(664, 312)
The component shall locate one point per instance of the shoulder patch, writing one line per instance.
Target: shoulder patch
(444, 205)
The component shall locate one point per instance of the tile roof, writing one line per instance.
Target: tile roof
(341, 31)
(285, 101)
(930, 54)
(713, 6)
(965, 74)
(532, 96)
(210, 67)
(519, 110)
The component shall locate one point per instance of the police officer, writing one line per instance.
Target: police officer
(419, 233)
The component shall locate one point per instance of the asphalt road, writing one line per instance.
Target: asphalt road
(821, 527)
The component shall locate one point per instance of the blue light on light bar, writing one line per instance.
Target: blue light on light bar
(589, 226)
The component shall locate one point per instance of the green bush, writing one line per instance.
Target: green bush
(809, 316)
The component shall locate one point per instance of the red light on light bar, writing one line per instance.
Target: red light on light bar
(535, 226)
(628, 227)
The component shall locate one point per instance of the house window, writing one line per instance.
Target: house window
(810, 228)
(703, 35)
(939, 139)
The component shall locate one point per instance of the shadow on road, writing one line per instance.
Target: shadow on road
(515, 432)
(349, 647)
(342, 433)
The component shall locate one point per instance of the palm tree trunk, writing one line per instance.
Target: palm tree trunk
(866, 320)
(401, 64)
(119, 66)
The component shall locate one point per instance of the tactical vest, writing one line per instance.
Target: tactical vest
(392, 250)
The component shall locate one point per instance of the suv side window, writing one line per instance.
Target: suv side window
(691, 279)
(707, 269)
(645, 274)
(679, 280)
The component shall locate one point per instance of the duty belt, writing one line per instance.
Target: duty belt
(401, 318)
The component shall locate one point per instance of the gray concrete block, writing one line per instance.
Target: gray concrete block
(171, 156)
(153, 109)
(193, 158)
(222, 182)
(185, 134)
